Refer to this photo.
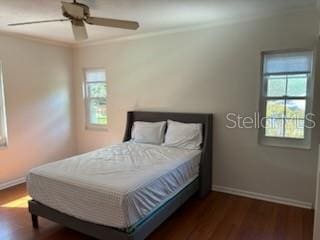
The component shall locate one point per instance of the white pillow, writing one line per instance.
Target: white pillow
(148, 132)
(183, 135)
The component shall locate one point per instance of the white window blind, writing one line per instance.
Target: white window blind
(288, 63)
(3, 124)
(286, 98)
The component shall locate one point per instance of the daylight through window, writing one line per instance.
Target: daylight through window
(96, 98)
(286, 94)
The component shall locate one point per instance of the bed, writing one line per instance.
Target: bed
(123, 191)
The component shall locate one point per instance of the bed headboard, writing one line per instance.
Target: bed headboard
(205, 119)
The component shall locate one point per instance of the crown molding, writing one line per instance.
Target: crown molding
(230, 21)
(36, 39)
(148, 34)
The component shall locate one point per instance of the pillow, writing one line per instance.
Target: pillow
(148, 132)
(183, 135)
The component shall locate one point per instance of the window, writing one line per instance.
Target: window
(96, 98)
(3, 123)
(286, 99)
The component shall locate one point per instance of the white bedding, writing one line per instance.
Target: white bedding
(114, 186)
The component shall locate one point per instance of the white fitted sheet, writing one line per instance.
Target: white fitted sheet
(114, 186)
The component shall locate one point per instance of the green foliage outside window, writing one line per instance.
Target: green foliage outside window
(97, 103)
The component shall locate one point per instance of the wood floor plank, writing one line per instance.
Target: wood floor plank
(211, 218)
(193, 209)
(308, 217)
(230, 226)
(219, 216)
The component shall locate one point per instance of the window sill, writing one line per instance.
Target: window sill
(286, 143)
(96, 128)
(3, 146)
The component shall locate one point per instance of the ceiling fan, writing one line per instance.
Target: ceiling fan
(79, 14)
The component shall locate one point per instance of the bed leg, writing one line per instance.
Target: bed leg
(35, 222)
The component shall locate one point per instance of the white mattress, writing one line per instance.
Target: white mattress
(114, 186)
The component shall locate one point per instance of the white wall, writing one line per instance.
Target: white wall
(208, 70)
(316, 232)
(38, 93)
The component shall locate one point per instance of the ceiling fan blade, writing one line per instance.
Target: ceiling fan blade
(79, 30)
(108, 22)
(34, 22)
(74, 10)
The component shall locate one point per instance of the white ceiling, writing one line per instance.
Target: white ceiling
(153, 15)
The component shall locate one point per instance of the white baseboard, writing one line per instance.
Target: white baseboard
(12, 183)
(264, 197)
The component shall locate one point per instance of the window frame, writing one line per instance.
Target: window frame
(88, 124)
(3, 109)
(301, 143)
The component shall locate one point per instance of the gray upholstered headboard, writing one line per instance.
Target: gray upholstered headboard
(205, 119)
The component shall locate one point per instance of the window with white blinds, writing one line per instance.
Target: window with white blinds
(286, 98)
(3, 123)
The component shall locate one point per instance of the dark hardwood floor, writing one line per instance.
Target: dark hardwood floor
(218, 217)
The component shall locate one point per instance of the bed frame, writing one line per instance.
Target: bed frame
(201, 186)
